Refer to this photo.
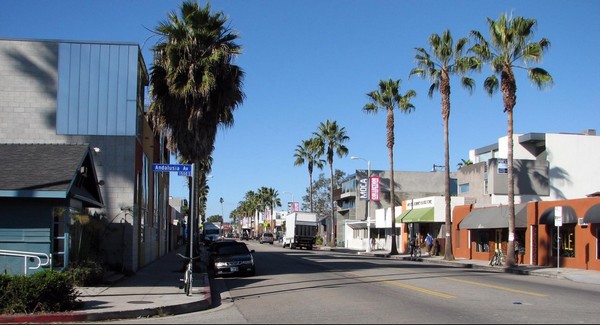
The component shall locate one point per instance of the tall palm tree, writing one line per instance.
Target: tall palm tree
(388, 97)
(271, 199)
(250, 205)
(445, 60)
(330, 140)
(195, 88)
(510, 43)
(308, 152)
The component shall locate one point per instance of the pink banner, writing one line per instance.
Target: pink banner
(374, 190)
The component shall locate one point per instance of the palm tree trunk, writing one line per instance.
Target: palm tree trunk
(310, 191)
(445, 92)
(510, 251)
(390, 145)
(333, 239)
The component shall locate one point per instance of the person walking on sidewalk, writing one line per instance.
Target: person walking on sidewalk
(428, 242)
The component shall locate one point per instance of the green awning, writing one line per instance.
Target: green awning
(416, 215)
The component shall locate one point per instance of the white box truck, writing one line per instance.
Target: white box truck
(300, 230)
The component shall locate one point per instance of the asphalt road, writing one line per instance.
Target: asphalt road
(300, 286)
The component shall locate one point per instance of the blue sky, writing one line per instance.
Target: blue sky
(312, 60)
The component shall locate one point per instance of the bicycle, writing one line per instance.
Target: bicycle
(188, 275)
(497, 259)
(415, 251)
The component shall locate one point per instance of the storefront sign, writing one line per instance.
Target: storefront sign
(502, 166)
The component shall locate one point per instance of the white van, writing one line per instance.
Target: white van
(211, 232)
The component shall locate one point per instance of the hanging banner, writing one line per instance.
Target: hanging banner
(374, 188)
(363, 189)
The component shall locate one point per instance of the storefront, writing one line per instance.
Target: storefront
(423, 216)
(487, 230)
(554, 233)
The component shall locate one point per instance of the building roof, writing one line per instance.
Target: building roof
(49, 171)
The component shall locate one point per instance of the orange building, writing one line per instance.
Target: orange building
(476, 232)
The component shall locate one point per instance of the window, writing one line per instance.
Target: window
(567, 240)
(463, 188)
(597, 246)
(482, 241)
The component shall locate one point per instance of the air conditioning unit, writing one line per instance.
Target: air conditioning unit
(581, 223)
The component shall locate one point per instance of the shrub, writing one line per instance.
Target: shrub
(47, 291)
(86, 273)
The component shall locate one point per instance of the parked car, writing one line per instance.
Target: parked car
(266, 237)
(233, 259)
(212, 248)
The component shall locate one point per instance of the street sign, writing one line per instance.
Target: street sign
(558, 216)
(189, 174)
(166, 168)
(502, 166)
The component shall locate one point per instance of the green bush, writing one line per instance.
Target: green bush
(47, 291)
(86, 273)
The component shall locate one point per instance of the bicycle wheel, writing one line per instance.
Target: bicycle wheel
(188, 282)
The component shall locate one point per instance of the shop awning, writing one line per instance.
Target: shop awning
(568, 216)
(416, 215)
(592, 215)
(495, 217)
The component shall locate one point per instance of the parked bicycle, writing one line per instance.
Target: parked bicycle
(497, 259)
(188, 275)
(415, 251)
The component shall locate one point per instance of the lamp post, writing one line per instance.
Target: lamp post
(368, 200)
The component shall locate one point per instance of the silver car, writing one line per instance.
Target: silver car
(266, 237)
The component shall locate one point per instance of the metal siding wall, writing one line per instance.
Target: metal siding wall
(97, 89)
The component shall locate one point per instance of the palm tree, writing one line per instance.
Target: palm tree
(330, 140)
(446, 59)
(510, 42)
(308, 152)
(250, 205)
(195, 88)
(388, 97)
(271, 199)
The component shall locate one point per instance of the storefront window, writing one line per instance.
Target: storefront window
(597, 243)
(482, 240)
(567, 240)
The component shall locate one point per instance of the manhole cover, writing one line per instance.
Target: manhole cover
(139, 302)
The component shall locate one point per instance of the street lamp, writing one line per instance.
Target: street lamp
(435, 167)
(368, 200)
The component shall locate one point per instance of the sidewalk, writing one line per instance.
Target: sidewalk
(154, 290)
(576, 275)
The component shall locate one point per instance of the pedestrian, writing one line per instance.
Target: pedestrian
(521, 254)
(428, 243)
(373, 243)
(436, 247)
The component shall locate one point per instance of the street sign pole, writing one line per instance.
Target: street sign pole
(558, 222)
(191, 221)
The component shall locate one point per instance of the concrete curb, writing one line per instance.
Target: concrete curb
(202, 303)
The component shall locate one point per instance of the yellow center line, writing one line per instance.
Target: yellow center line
(497, 287)
(422, 290)
(407, 286)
